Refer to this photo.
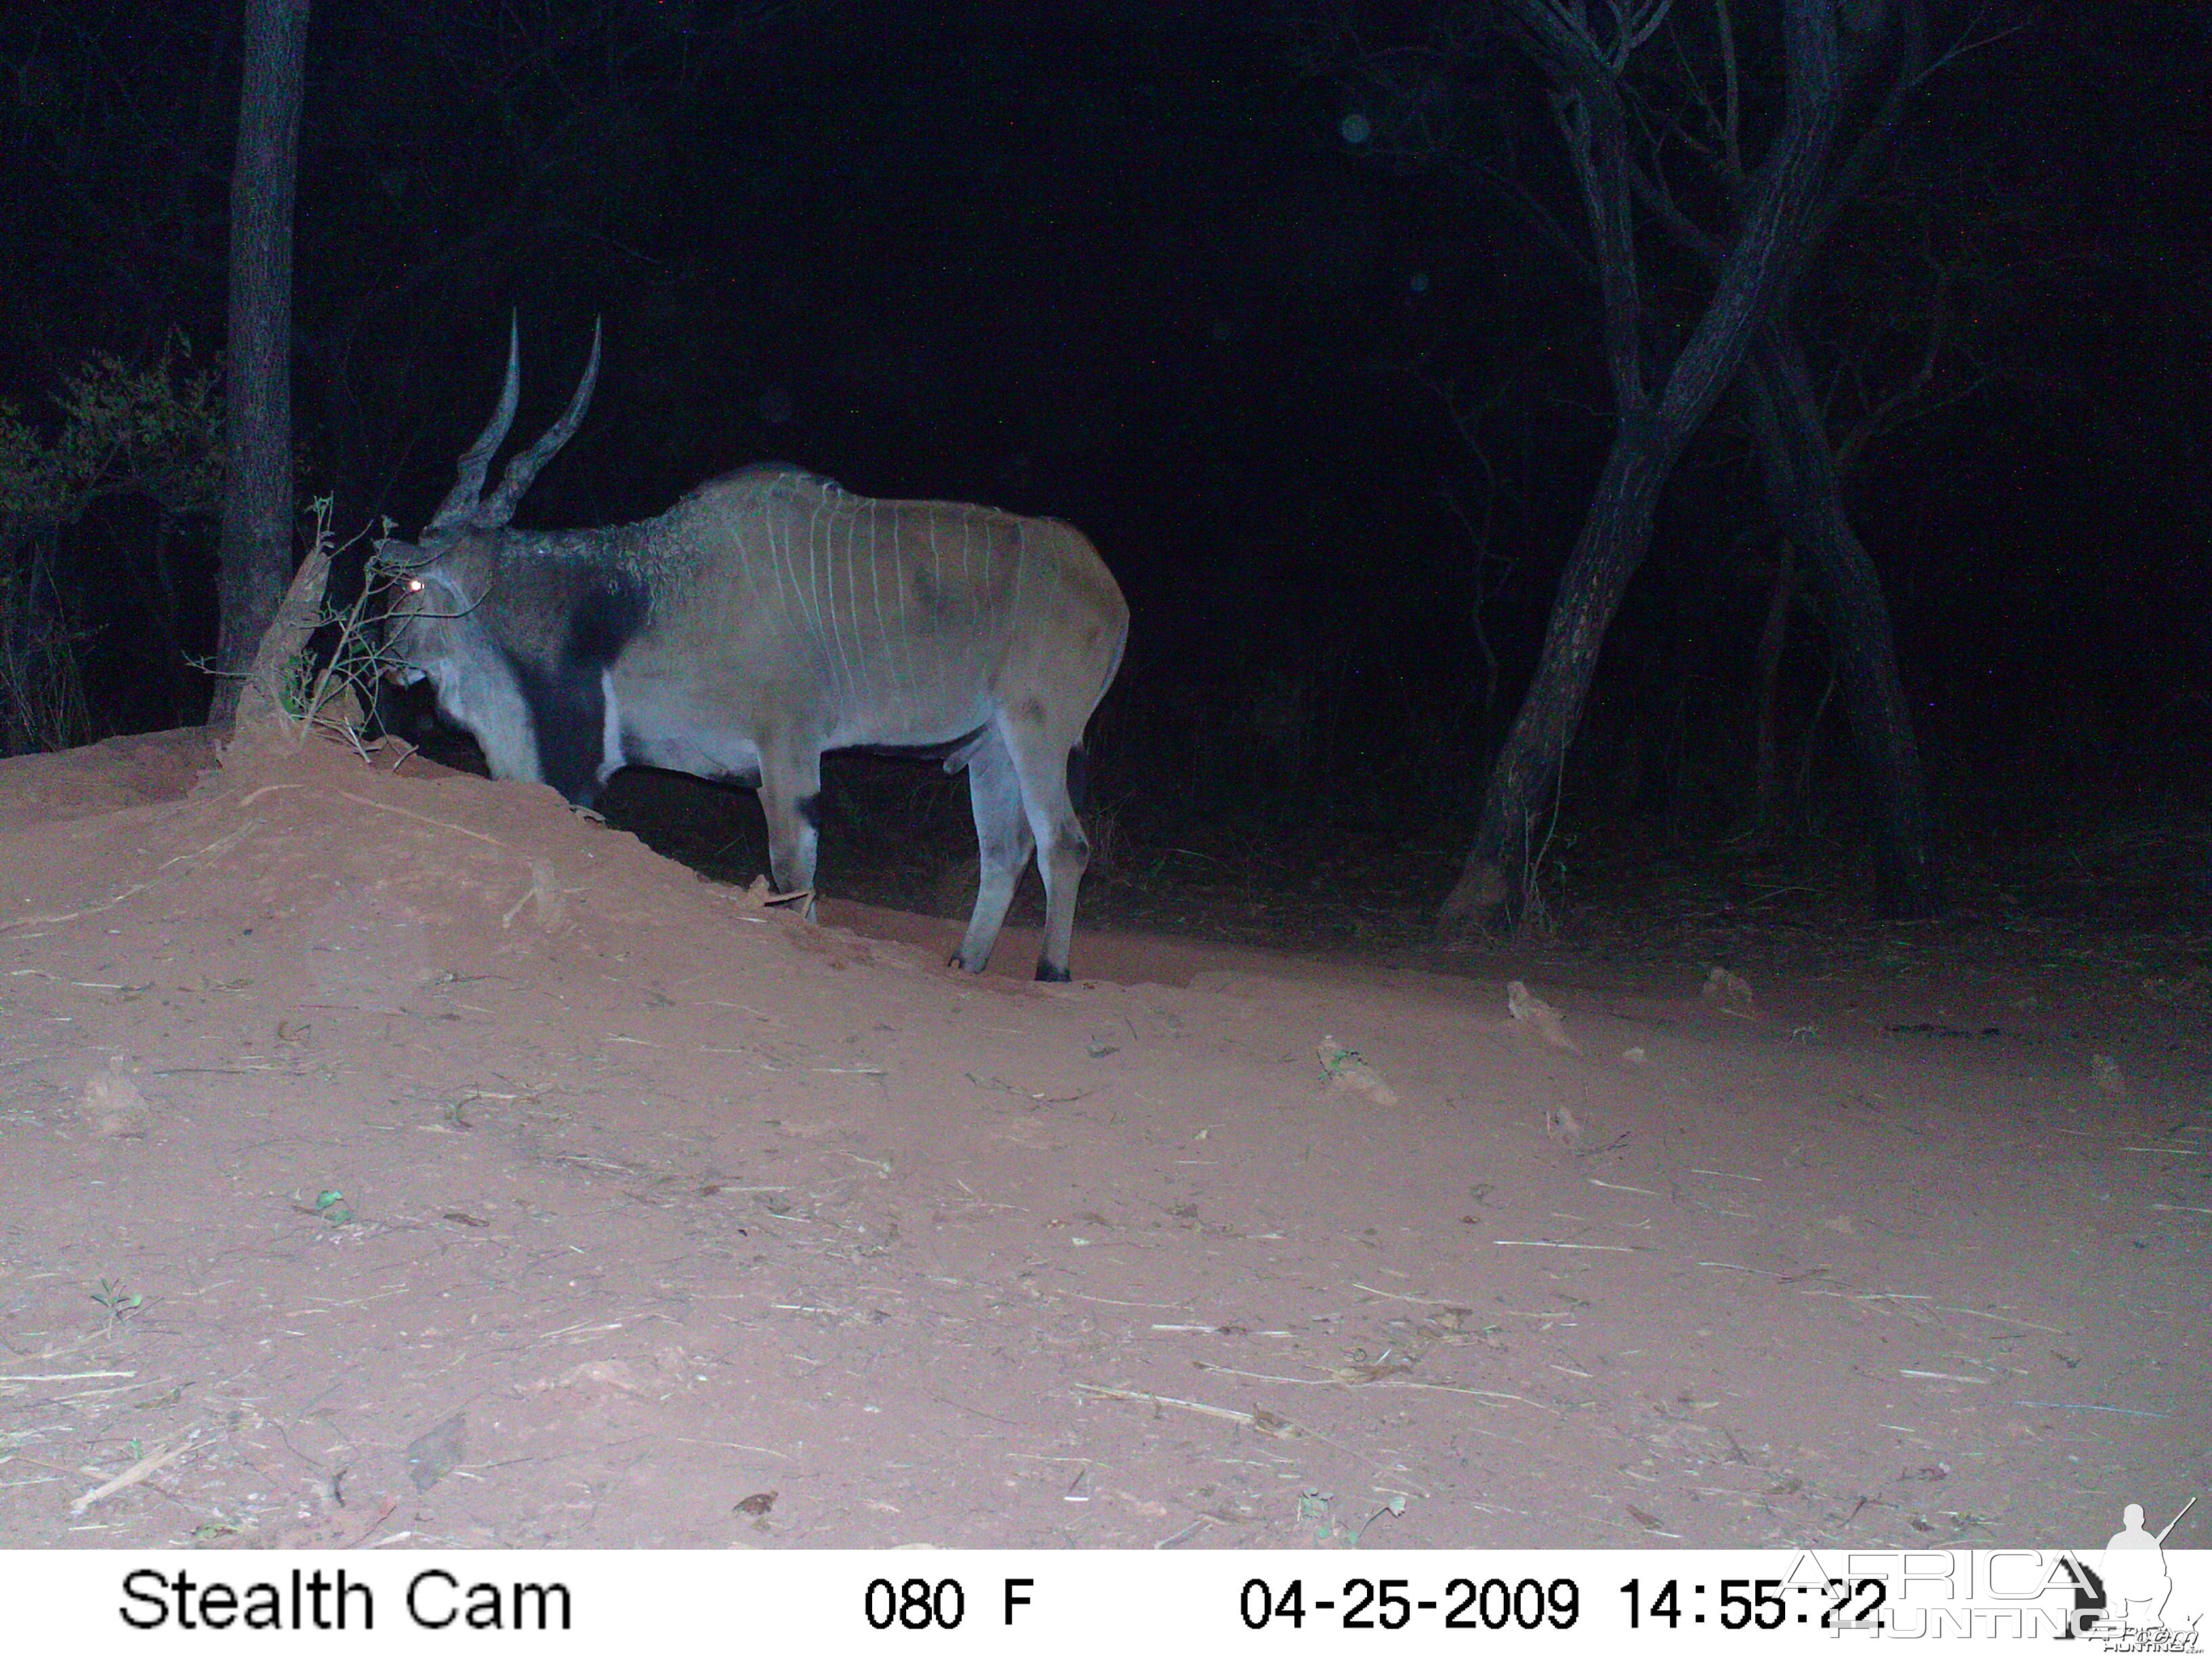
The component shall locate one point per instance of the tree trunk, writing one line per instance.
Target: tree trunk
(1525, 777)
(1650, 431)
(263, 723)
(256, 549)
(1616, 534)
(1772, 639)
(1799, 468)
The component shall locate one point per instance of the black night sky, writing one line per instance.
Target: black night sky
(1214, 284)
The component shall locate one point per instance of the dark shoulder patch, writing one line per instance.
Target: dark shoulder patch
(609, 614)
(607, 609)
(569, 717)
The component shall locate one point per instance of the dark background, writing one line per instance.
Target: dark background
(1118, 264)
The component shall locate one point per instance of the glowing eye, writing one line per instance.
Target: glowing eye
(414, 585)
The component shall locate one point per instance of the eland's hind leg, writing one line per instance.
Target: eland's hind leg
(1049, 766)
(1003, 839)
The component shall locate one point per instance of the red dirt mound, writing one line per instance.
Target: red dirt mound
(408, 1158)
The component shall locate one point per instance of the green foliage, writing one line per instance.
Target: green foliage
(156, 432)
(29, 481)
(116, 1298)
(42, 706)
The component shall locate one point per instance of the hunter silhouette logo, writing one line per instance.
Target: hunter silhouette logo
(2126, 1597)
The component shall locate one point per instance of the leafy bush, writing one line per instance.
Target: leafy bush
(154, 432)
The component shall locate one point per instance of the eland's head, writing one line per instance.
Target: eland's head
(439, 578)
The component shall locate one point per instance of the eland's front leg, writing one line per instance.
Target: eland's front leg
(790, 800)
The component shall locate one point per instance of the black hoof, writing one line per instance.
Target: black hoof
(1050, 975)
(953, 961)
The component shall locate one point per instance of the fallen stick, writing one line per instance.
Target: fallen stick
(436, 823)
(152, 1463)
(1091, 1391)
(212, 851)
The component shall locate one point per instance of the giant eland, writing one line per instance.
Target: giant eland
(767, 618)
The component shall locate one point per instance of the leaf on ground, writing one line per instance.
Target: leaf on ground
(433, 1454)
(1721, 986)
(1532, 1012)
(1346, 1070)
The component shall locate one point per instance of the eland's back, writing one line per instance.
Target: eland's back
(889, 622)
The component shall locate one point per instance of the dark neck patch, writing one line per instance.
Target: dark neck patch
(608, 615)
(567, 699)
(569, 717)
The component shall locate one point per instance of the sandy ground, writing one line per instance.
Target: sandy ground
(407, 1159)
